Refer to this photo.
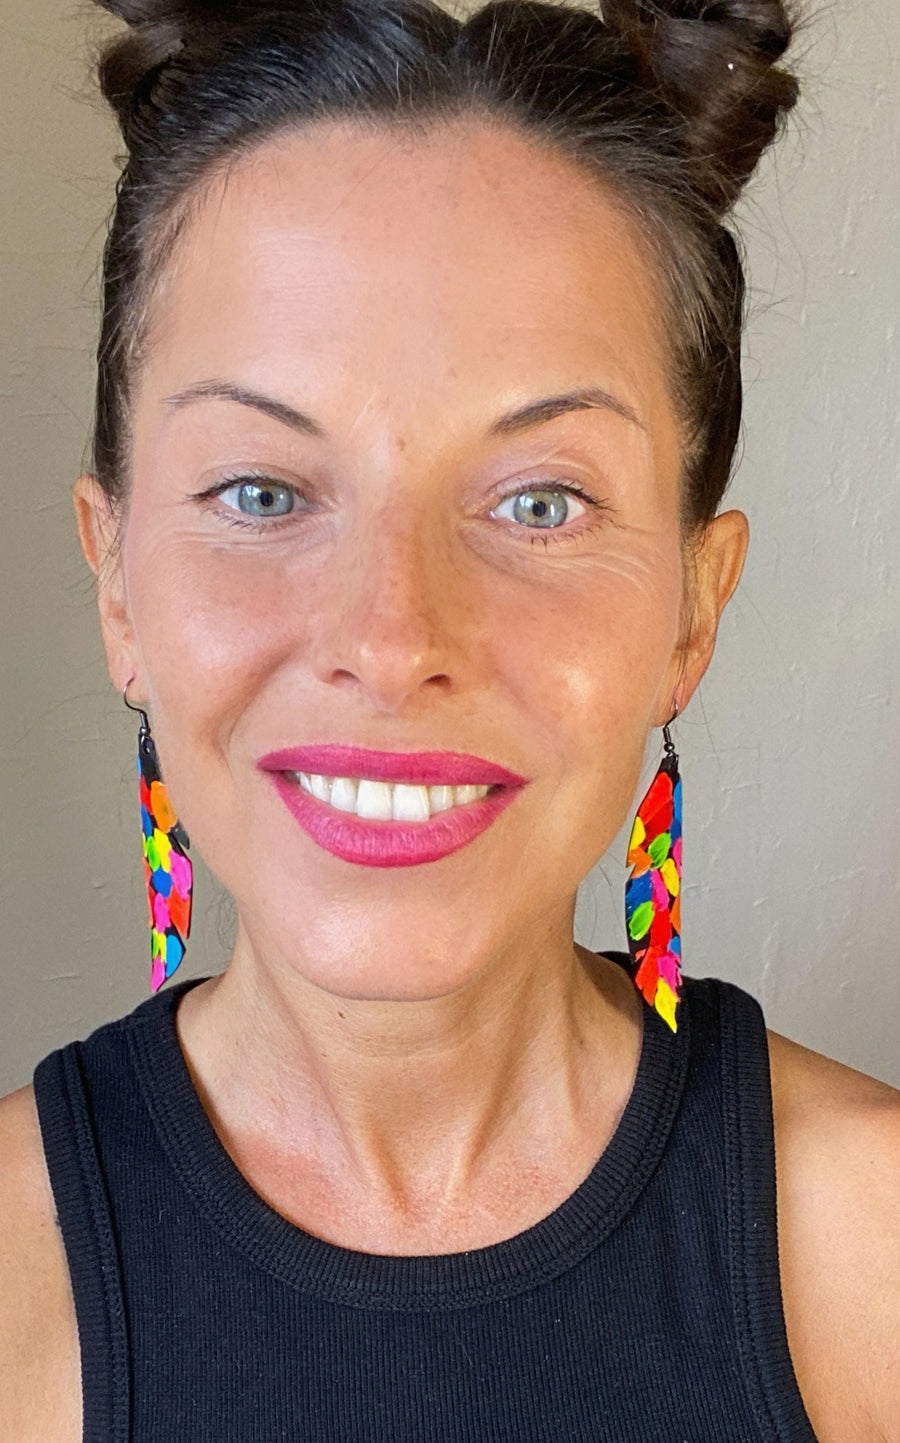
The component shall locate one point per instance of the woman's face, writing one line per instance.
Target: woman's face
(430, 575)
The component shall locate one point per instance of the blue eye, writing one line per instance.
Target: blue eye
(260, 498)
(540, 508)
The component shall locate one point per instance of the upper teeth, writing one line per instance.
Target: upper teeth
(387, 801)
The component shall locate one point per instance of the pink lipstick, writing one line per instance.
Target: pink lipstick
(390, 843)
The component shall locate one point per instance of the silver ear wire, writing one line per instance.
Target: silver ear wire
(145, 720)
(667, 737)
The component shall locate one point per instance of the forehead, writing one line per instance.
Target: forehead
(408, 256)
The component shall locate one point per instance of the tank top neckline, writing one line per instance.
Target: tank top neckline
(334, 1273)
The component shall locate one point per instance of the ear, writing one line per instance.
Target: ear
(714, 570)
(99, 529)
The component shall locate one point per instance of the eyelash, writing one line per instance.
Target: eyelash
(536, 535)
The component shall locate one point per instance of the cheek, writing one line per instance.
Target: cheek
(209, 624)
(594, 645)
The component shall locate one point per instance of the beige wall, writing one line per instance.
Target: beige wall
(791, 749)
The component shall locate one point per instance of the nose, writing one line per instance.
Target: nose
(393, 619)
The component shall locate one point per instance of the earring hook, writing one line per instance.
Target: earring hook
(145, 720)
(667, 737)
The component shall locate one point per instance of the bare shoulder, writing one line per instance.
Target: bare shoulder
(39, 1356)
(837, 1157)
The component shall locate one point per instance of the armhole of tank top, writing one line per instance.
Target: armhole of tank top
(753, 1221)
(82, 1205)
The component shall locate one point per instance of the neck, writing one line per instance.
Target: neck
(420, 1107)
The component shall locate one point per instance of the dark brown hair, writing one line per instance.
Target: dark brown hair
(670, 104)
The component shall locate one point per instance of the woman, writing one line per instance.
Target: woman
(418, 393)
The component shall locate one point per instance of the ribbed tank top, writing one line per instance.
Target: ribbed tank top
(646, 1308)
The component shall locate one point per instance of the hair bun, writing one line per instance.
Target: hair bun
(126, 67)
(158, 31)
(715, 65)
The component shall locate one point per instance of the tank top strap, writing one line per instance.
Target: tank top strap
(749, 1150)
(84, 1216)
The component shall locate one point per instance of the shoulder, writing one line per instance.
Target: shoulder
(837, 1162)
(39, 1356)
(26, 1203)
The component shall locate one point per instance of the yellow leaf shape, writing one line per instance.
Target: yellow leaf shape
(665, 1003)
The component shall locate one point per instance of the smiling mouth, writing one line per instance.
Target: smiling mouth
(390, 809)
(381, 801)
(378, 823)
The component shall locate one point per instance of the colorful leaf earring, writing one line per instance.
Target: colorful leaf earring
(653, 891)
(170, 876)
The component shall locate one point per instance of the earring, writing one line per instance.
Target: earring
(170, 876)
(653, 891)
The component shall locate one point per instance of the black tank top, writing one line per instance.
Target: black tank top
(645, 1309)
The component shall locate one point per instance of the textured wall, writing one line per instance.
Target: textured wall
(789, 751)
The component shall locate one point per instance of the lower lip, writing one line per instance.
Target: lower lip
(390, 844)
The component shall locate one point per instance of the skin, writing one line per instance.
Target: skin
(420, 1059)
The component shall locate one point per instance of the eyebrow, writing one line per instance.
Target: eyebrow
(534, 413)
